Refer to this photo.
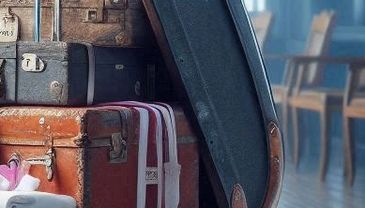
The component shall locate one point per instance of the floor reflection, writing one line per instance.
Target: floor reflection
(302, 187)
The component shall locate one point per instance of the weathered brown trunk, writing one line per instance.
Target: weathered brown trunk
(102, 22)
(81, 142)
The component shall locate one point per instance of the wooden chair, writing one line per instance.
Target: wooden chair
(353, 107)
(262, 25)
(317, 45)
(324, 101)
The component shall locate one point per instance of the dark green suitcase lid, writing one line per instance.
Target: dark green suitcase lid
(214, 59)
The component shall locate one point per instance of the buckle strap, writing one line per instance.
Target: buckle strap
(91, 75)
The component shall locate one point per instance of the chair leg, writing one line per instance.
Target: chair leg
(296, 137)
(325, 125)
(349, 151)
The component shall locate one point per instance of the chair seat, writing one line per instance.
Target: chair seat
(356, 108)
(279, 93)
(317, 99)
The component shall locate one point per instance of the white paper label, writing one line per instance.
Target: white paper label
(151, 175)
(9, 25)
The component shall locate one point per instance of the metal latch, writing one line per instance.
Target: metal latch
(47, 160)
(118, 152)
(32, 63)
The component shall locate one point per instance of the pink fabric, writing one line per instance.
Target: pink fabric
(10, 173)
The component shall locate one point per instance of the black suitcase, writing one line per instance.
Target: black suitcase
(215, 61)
(59, 73)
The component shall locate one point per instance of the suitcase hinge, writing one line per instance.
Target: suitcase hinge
(118, 152)
(47, 160)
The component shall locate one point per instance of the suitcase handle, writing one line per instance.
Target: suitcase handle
(56, 21)
(37, 20)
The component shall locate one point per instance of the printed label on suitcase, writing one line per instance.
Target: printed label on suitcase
(151, 175)
(8, 26)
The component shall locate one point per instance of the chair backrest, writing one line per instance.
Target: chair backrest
(262, 24)
(317, 45)
(355, 85)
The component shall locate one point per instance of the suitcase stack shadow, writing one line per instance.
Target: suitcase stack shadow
(66, 119)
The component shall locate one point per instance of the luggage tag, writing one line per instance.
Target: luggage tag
(171, 166)
(152, 175)
(9, 26)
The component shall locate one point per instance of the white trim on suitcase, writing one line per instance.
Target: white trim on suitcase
(91, 75)
(159, 147)
(142, 157)
(171, 167)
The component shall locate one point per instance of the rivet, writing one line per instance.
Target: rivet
(42, 121)
(273, 130)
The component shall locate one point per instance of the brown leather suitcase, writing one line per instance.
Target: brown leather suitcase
(101, 22)
(92, 153)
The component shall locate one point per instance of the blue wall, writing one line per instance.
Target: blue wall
(288, 36)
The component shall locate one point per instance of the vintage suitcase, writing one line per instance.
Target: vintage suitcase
(101, 22)
(96, 153)
(212, 55)
(59, 73)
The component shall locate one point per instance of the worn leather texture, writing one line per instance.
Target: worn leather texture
(216, 63)
(121, 23)
(81, 141)
(120, 74)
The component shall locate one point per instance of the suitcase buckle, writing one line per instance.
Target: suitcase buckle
(118, 152)
(47, 160)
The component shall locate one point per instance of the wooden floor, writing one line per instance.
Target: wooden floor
(302, 187)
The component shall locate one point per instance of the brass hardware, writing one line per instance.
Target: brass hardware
(119, 67)
(47, 160)
(91, 16)
(276, 163)
(118, 152)
(32, 63)
(238, 198)
(56, 89)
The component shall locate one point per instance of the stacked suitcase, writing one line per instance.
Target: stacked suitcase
(81, 86)
(121, 154)
(107, 156)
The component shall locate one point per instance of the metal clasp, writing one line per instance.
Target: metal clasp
(118, 152)
(32, 63)
(47, 160)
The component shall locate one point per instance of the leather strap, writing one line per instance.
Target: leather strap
(159, 149)
(91, 75)
(142, 157)
(171, 166)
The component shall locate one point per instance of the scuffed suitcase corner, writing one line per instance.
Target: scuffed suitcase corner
(83, 194)
(276, 163)
(83, 174)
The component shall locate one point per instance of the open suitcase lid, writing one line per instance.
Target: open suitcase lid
(212, 54)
